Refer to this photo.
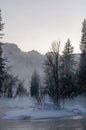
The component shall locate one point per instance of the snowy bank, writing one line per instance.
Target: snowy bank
(37, 114)
(24, 108)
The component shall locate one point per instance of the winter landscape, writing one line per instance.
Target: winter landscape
(42, 90)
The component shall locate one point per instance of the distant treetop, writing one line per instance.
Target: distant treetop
(1, 26)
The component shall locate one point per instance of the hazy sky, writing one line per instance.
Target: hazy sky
(35, 24)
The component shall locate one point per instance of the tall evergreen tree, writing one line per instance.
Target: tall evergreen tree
(1, 26)
(2, 65)
(21, 91)
(67, 69)
(68, 58)
(83, 37)
(35, 85)
(82, 66)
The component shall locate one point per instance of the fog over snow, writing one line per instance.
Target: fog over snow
(29, 109)
(23, 64)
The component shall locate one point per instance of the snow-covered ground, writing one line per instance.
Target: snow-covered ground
(27, 108)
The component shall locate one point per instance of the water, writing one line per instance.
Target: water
(69, 123)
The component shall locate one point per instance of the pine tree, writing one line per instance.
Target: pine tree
(2, 65)
(35, 85)
(82, 66)
(1, 26)
(67, 70)
(21, 91)
(68, 57)
(83, 37)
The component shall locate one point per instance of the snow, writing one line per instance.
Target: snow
(17, 103)
(41, 113)
(27, 108)
(37, 114)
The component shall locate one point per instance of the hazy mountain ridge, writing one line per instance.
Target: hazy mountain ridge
(23, 64)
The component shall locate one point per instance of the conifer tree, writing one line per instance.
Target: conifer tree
(82, 66)
(67, 69)
(83, 37)
(2, 65)
(68, 57)
(21, 91)
(35, 84)
(1, 26)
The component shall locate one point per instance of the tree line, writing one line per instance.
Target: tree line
(62, 80)
(10, 85)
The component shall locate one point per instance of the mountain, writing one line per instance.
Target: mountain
(23, 64)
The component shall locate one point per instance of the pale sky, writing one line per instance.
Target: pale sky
(35, 24)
